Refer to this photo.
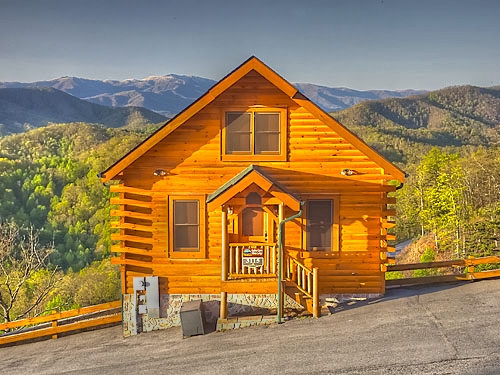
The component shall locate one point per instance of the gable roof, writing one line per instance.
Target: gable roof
(253, 63)
(251, 175)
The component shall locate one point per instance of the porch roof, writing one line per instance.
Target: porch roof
(251, 175)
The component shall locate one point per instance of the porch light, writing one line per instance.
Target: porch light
(348, 172)
(160, 172)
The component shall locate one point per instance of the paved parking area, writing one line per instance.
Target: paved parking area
(449, 329)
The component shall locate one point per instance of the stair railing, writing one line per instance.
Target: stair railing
(305, 279)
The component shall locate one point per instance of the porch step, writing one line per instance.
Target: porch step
(295, 293)
(235, 322)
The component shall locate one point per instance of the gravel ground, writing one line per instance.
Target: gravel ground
(450, 329)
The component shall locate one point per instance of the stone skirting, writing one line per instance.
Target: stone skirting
(243, 310)
(170, 306)
(236, 322)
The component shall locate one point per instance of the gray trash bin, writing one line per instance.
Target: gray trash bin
(192, 318)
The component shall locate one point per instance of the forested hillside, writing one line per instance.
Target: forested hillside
(49, 179)
(54, 217)
(454, 119)
(448, 143)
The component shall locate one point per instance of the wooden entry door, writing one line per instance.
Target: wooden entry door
(257, 222)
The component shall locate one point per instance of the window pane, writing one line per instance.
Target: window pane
(186, 212)
(267, 132)
(238, 132)
(319, 224)
(186, 225)
(186, 238)
(252, 221)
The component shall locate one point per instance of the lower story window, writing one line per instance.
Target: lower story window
(187, 217)
(321, 229)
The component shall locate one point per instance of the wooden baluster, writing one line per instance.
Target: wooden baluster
(287, 265)
(267, 257)
(274, 260)
(237, 256)
(309, 282)
(231, 260)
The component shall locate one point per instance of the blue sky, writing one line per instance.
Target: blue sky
(360, 44)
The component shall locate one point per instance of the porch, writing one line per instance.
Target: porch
(253, 258)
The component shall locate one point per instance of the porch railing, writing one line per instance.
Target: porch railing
(250, 259)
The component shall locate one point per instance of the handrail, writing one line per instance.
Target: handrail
(299, 274)
(60, 315)
(420, 266)
(469, 262)
(252, 243)
(305, 280)
(72, 320)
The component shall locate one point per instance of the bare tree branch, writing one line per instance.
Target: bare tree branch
(21, 257)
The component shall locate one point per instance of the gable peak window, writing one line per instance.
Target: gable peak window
(254, 133)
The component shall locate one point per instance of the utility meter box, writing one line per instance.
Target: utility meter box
(152, 296)
(192, 318)
(139, 283)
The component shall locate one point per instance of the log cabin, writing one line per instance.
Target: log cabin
(252, 197)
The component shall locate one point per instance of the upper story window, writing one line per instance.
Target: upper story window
(254, 134)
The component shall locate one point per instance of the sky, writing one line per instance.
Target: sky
(359, 44)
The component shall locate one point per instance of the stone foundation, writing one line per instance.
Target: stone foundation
(170, 306)
(236, 322)
(244, 310)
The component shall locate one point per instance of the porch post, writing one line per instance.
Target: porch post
(281, 216)
(223, 295)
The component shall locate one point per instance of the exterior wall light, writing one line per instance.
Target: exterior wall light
(347, 172)
(160, 173)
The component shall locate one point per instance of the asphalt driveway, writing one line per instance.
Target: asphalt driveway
(450, 329)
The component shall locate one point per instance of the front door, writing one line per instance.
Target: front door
(253, 240)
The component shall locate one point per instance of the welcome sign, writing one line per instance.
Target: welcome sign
(253, 257)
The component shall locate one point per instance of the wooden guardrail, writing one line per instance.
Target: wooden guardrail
(57, 323)
(469, 263)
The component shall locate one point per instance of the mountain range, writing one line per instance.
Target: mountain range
(25, 108)
(170, 94)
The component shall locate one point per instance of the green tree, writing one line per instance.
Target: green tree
(439, 188)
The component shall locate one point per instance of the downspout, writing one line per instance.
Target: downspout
(281, 227)
(402, 183)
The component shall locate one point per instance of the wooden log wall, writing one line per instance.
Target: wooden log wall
(191, 156)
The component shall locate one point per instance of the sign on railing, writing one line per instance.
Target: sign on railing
(252, 259)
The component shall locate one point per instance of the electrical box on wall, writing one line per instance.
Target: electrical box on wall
(147, 295)
(152, 296)
(139, 283)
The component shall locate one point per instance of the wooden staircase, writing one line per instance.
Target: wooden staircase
(301, 284)
(298, 295)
